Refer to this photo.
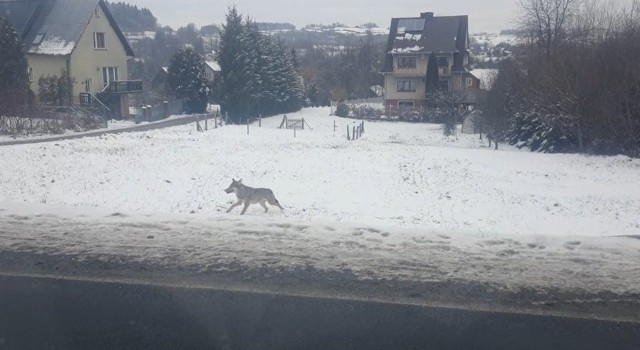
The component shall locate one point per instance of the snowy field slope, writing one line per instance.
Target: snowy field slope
(398, 174)
(583, 266)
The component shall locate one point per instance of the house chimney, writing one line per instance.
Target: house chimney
(426, 14)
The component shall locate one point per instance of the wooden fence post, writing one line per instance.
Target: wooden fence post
(302, 123)
(354, 133)
(334, 126)
(294, 132)
(247, 126)
(260, 121)
(348, 138)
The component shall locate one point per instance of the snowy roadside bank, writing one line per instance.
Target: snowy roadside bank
(592, 276)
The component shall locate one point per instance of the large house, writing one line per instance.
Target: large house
(411, 42)
(80, 37)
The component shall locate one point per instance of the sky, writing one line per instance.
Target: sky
(484, 15)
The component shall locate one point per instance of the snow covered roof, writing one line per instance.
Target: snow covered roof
(213, 65)
(425, 35)
(486, 77)
(53, 27)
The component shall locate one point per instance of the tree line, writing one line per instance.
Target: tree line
(574, 84)
(259, 74)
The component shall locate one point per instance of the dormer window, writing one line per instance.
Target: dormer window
(38, 39)
(99, 41)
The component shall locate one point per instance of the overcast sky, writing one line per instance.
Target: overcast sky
(484, 15)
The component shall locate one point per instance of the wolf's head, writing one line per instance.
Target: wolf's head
(234, 186)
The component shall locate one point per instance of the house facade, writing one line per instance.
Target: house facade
(410, 44)
(79, 37)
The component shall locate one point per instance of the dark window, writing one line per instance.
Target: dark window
(99, 41)
(405, 104)
(406, 85)
(407, 62)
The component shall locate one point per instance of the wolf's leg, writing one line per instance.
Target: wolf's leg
(273, 201)
(246, 205)
(264, 206)
(234, 205)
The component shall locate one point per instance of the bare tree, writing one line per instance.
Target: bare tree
(547, 22)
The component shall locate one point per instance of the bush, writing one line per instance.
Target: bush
(342, 110)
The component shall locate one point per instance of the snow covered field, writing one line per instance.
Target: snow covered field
(398, 174)
(402, 203)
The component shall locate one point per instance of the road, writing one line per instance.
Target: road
(137, 128)
(45, 313)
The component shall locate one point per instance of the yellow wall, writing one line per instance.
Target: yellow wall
(87, 62)
(43, 65)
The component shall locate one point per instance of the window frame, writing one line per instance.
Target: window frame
(412, 62)
(96, 42)
(401, 85)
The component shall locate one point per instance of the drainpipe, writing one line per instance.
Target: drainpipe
(70, 81)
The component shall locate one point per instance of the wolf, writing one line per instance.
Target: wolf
(249, 195)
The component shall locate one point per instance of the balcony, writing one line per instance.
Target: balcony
(124, 87)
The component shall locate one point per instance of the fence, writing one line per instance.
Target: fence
(160, 111)
(37, 119)
(354, 133)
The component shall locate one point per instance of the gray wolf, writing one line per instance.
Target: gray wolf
(249, 195)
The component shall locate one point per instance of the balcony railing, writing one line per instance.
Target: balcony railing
(124, 87)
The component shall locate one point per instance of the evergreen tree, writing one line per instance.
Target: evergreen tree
(13, 69)
(186, 79)
(433, 75)
(231, 67)
(258, 75)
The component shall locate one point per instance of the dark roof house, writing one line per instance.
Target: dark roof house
(411, 42)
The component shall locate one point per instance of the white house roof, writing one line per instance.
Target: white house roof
(486, 77)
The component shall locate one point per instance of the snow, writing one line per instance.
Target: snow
(54, 46)
(486, 76)
(403, 202)
(414, 48)
(213, 65)
(208, 243)
(399, 174)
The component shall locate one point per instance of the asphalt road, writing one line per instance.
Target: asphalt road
(45, 313)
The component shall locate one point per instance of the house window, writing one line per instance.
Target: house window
(406, 86)
(96, 13)
(30, 74)
(405, 104)
(99, 41)
(407, 62)
(443, 61)
(443, 85)
(469, 82)
(109, 74)
(38, 39)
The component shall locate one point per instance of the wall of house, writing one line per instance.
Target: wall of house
(43, 65)
(87, 62)
(391, 88)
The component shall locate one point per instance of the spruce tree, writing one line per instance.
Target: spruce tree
(231, 67)
(433, 75)
(186, 79)
(13, 69)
